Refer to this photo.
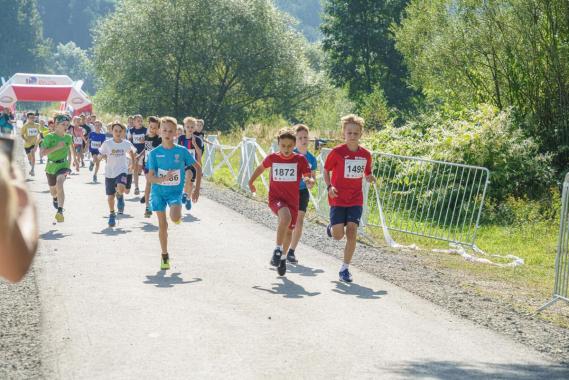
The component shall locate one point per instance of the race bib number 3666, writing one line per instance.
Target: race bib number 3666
(284, 172)
(175, 181)
(354, 168)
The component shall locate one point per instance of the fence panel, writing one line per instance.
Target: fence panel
(561, 287)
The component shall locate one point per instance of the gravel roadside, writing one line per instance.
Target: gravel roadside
(415, 273)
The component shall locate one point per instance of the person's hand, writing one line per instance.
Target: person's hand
(309, 182)
(371, 178)
(168, 177)
(195, 195)
(60, 144)
(333, 192)
(252, 188)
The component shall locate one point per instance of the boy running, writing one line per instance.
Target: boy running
(137, 135)
(287, 170)
(58, 146)
(95, 139)
(348, 163)
(115, 151)
(151, 141)
(188, 141)
(166, 172)
(30, 132)
(78, 134)
(304, 194)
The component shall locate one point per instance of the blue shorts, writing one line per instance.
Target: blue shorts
(344, 215)
(111, 183)
(94, 152)
(159, 201)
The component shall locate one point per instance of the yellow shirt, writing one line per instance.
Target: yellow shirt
(30, 133)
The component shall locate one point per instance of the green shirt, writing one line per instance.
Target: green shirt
(50, 141)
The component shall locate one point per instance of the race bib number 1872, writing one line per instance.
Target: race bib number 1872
(354, 168)
(175, 181)
(284, 172)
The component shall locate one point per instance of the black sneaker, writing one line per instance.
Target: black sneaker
(143, 199)
(55, 205)
(329, 230)
(275, 261)
(282, 268)
(291, 258)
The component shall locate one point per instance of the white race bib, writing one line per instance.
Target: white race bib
(77, 140)
(95, 144)
(175, 179)
(137, 139)
(32, 132)
(354, 168)
(285, 172)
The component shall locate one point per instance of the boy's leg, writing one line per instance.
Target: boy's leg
(137, 166)
(176, 213)
(287, 240)
(111, 202)
(60, 192)
(163, 231)
(351, 237)
(297, 233)
(284, 221)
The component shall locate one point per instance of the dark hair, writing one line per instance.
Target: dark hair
(286, 133)
(154, 119)
(30, 114)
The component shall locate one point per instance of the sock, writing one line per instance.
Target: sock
(344, 267)
(279, 247)
(165, 256)
(55, 200)
(283, 257)
(60, 210)
(112, 211)
(290, 251)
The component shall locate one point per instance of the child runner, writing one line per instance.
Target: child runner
(166, 172)
(78, 134)
(188, 141)
(302, 132)
(115, 151)
(130, 171)
(58, 146)
(151, 141)
(137, 134)
(30, 132)
(349, 163)
(96, 138)
(287, 170)
(43, 130)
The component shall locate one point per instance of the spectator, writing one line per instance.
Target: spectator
(6, 119)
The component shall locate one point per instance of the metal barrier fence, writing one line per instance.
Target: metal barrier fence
(561, 286)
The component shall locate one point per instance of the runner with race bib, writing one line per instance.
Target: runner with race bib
(288, 169)
(349, 163)
(137, 134)
(95, 139)
(188, 141)
(167, 172)
(152, 140)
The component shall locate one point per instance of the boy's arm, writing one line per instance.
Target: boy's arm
(152, 178)
(196, 192)
(260, 169)
(332, 191)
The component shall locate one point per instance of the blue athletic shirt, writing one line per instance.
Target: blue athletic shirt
(312, 162)
(96, 140)
(162, 160)
(137, 138)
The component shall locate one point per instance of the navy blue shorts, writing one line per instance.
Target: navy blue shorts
(344, 215)
(111, 183)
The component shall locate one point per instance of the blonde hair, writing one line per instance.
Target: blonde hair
(286, 133)
(301, 127)
(190, 119)
(353, 119)
(116, 122)
(9, 204)
(169, 119)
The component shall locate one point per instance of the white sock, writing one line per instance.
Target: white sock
(344, 266)
(283, 257)
(279, 247)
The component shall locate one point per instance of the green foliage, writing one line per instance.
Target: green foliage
(21, 40)
(484, 137)
(308, 14)
(70, 59)
(375, 110)
(227, 61)
(509, 53)
(361, 48)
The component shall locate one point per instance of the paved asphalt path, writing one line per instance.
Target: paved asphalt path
(108, 312)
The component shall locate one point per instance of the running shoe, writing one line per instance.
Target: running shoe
(94, 179)
(291, 258)
(55, 205)
(136, 191)
(112, 219)
(143, 199)
(165, 263)
(91, 166)
(147, 213)
(59, 217)
(276, 260)
(179, 221)
(329, 230)
(120, 204)
(184, 198)
(82, 164)
(189, 205)
(32, 172)
(282, 268)
(345, 275)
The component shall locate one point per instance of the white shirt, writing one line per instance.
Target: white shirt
(117, 162)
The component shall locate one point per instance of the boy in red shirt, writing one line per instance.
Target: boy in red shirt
(349, 163)
(287, 170)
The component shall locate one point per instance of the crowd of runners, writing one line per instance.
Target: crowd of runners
(169, 156)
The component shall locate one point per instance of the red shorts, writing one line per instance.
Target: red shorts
(275, 205)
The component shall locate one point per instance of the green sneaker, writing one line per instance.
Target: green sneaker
(165, 263)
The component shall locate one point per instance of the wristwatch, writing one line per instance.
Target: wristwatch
(329, 186)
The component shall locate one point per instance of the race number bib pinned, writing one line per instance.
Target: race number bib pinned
(95, 144)
(175, 181)
(78, 140)
(354, 168)
(138, 139)
(285, 172)
(32, 132)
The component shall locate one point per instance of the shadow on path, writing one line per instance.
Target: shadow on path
(112, 231)
(357, 290)
(41, 192)
(303, 271)
(149, 227)
(160, 280)
(52, 235)
(189, 218)
(287, 289)
(479, 371)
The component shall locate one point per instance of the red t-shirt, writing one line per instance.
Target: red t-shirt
(285, 177)
(348, 170)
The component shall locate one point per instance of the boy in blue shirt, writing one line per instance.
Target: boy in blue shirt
(302, 132)
(166, 172)
(95, 139)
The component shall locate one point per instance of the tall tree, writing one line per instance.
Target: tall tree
(223, 60)
(22, 46)
(361, 48)
(70, 59)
